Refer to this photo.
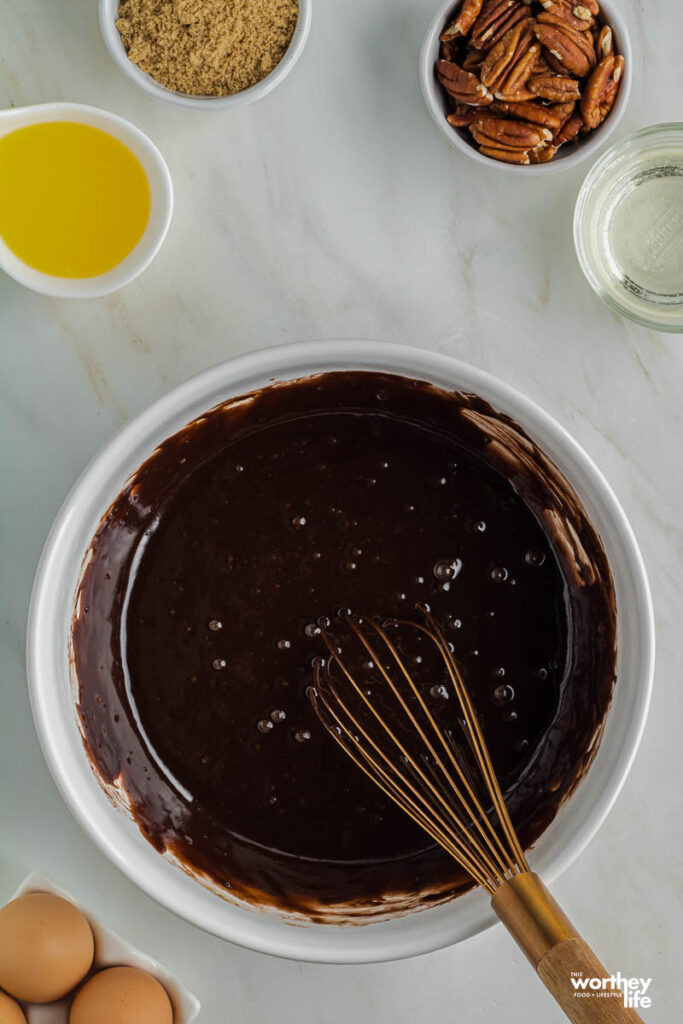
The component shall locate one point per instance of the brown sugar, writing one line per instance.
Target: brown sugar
(207, 47)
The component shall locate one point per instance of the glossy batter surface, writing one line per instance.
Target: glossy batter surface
(197, 629)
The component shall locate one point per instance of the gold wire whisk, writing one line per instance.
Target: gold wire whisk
(393, 736)
(433, 788)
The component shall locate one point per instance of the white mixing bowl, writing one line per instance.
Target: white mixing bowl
(52, 696)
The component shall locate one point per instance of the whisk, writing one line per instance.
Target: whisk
(443, 778)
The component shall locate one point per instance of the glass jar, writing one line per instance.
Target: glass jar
(628, 227)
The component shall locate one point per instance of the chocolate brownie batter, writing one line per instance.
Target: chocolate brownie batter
(197, 625)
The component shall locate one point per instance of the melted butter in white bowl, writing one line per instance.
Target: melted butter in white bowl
(628, 227)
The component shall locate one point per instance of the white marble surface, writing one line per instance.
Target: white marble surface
(333, 209)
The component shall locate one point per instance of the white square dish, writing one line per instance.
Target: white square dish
(110, 951)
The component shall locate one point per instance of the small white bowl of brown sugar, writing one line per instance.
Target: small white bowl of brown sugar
(206, 54)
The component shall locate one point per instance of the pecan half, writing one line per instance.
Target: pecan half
(564, 111)
(554, 64)
(561, 14)
(586, 13)
(574, 49)
(462, 85)
(505, 54)
(605, 42)
(473, 60)
(501, 132)
(619, 65)
(601, 91)
(584, 10)
(508, 156)
(497, 16)
(451, 50)
(520, 96)
(514, 16)
(531, 111)
(541, 65)
(569, 130)
(543, 155)
(463, 115)
(467, 15)
(515, 82)
(554, 88)
(490, 12)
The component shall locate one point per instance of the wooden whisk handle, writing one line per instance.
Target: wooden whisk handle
(561, 958)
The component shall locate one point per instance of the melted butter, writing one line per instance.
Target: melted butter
(74, 201)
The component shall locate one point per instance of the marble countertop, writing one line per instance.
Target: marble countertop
(334, 209)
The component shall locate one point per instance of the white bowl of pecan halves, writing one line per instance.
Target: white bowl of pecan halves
(527, 84)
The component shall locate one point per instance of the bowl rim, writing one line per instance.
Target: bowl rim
(108, 13)
(591, 182)
(52, 701)
(161, 211)
(589, 145)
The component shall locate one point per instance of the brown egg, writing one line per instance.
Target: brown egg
(121, 995)
(46, 947)
(10, 1012)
